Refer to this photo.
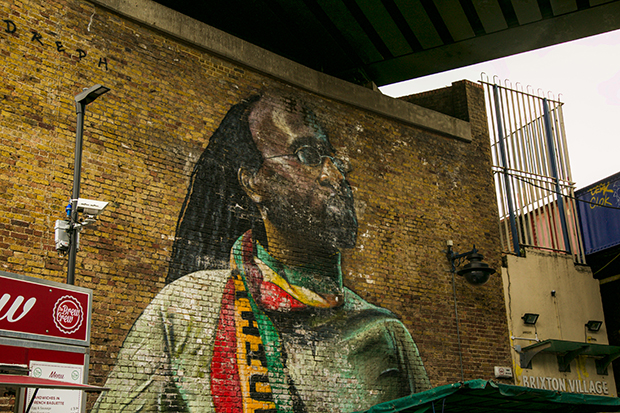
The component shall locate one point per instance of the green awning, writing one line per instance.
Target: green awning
(481, 396)
(563, 346)
(567, 351)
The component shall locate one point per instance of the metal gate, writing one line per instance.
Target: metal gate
(531, 168)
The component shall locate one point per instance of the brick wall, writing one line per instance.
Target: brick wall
(413, 189)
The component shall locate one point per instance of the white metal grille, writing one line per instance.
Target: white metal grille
(531, 168)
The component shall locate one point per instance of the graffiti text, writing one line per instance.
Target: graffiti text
(36, 37)
(599, 195)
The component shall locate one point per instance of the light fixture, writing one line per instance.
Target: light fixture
(530, 319)
(475, 271)
(90, 94)
(594, 325)
(81, 100)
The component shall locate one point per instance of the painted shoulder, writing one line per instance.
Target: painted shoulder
(165, 359)
(371, 327)
(355, 303)
(196, 283)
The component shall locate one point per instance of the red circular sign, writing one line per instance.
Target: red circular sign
(68, 314)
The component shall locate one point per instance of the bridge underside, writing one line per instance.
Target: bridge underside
(387, 41)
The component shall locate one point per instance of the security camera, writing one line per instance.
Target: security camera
(90, 207)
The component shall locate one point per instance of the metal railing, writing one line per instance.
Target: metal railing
(531, 168)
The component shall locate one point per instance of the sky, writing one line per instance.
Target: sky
(585, 74)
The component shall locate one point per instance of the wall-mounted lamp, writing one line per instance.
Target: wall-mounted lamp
(475, 271)
(530, 319)
(594, 325)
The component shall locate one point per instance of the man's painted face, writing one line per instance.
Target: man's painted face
(302, 184)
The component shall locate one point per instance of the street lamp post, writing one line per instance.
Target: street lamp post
(81, 100)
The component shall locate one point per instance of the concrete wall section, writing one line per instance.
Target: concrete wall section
(245, 54)
(566, 297)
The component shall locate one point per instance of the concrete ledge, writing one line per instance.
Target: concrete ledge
(245, 54)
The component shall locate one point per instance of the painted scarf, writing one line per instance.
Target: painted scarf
(249, 362)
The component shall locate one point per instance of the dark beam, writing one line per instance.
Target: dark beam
(504, 43)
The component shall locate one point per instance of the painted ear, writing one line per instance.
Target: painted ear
(247, 182)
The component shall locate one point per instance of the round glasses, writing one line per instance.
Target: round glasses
(309, 155)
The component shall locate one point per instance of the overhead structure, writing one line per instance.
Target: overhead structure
(387, 41)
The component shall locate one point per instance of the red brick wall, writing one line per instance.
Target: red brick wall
(414, 189)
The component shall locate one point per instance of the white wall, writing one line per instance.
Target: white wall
(566, 296)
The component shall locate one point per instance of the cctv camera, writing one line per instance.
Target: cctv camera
(90, 207)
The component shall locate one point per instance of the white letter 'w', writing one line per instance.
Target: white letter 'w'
(10, 314)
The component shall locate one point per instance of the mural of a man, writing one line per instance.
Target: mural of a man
(256, 317)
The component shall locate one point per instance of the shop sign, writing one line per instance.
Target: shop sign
(597, 387)
(56, 400)
(49, 310)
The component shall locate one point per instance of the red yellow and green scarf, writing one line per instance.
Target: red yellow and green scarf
(249, 365)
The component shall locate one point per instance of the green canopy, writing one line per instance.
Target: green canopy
(481, 396)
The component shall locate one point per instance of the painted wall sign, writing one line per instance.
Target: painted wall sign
(35, 37)
(566, 385)
(32, 308)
